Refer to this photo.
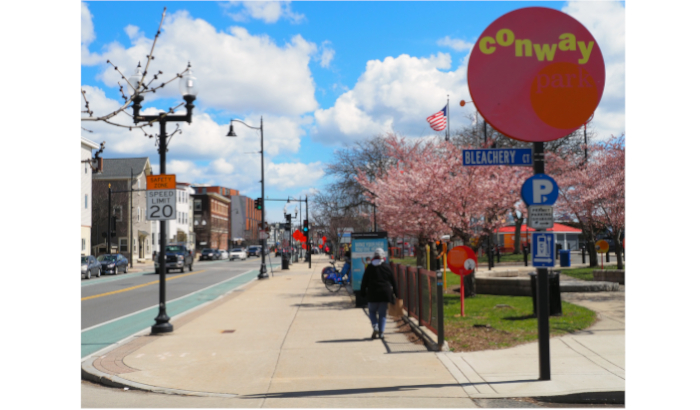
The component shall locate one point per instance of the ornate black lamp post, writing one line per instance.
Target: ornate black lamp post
(188, 89)
(263, 269)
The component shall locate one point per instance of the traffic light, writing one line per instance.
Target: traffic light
(258, 204)
(306, 226)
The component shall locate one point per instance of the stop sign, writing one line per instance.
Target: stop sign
(536, 74)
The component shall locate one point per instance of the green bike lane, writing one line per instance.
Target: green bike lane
(98, 337)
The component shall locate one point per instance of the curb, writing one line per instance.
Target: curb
(429, 338)
(90, 373)
(603, 397)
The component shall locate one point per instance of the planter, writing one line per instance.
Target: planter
(610, 275)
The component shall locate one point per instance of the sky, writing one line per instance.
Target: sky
(322, 75)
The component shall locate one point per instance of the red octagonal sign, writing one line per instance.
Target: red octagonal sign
(536, 74)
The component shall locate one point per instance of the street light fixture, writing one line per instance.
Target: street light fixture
(188, 89)
(231, 133)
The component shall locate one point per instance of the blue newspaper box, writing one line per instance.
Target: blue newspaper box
(564, 258)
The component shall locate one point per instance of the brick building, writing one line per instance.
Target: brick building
(244, 220)
(211, 212)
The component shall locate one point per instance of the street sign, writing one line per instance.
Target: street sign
(540, 216)
(160, 182)
(161, 197)
(536, 74)
(497, 156)
(461, 260)
(602, 246)
(540, 189)
(543, 252)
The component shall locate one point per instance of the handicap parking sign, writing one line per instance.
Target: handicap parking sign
(543, 250)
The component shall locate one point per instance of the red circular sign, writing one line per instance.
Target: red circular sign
(462, 260)
(536, 74)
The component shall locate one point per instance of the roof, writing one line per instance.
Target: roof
(525, 229)
(89, 143)
(120, 168)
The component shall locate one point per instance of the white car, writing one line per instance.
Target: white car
(224, 254)
(238, 253)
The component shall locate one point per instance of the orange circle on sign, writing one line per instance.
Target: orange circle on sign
(563, 95)
(459, 258)
(602, 246)
(461, 103)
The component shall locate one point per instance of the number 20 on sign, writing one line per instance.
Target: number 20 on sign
(161, 197)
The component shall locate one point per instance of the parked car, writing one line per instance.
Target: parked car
(238, 253)
(176, 257)
(113, 263)
(218, 254)
(224, 253)
(207, 254)
(254, 250)
(89, 266)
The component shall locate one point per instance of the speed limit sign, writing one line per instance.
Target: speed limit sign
(161, 197)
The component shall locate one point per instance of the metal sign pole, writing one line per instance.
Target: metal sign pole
(542, 288)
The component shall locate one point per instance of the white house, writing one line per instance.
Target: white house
(86, 147)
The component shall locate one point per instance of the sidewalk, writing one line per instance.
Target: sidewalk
(289, 342)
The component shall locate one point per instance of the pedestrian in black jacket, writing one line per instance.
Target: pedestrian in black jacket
(379, 288)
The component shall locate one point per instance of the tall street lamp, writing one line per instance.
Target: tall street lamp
(188, 89)
(263, 269)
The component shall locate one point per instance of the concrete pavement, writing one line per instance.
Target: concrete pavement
(289, 342)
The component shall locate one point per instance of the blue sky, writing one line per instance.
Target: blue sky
(322, 74)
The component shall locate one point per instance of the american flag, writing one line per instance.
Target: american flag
(438, 121)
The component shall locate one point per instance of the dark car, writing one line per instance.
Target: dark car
(114, 263)
(207, 254)
(89, 267)
(254, 250)
(217, 253)
(176, 257)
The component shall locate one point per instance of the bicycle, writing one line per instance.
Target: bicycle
(328, 270)
(336, 280)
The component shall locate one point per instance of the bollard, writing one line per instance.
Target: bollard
(525, 254)
(583, 254)
(607, 256)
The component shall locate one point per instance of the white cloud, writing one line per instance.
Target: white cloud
(267, 11)
(455, 44)
(87, 36)
(292, 175)
(236, 71)
(606, 21)
(327, 54)
(395, 94)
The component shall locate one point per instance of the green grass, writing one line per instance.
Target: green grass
(509, 325)
(586, 273)
(409, 261)
(505, 257)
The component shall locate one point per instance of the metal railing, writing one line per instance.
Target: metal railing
(418, 289)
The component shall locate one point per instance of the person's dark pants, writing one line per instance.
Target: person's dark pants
(377, 315)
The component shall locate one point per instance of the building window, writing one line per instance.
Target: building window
(134, 243)
(138, 219)
(85, 201)
(86, 167)
(117, 211)
(197, 204)
(153, 238)
(123, 245)
(83, 244)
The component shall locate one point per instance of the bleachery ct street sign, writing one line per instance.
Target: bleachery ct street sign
(497, 156)
(161, 197)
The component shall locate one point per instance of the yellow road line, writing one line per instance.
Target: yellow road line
(138, 286)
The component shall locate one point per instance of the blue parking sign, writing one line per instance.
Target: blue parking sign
(540, 189)
(543, 250)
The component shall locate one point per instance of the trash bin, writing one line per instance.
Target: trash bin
(554, 293)
(565, 258)
(285, 261)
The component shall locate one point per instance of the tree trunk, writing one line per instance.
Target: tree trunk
(518, 227)
(420, 251)
(618, 250)
(590, 246)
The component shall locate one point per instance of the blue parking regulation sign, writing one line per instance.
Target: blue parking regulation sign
(497, 156)
(543, 250)
(540, 189)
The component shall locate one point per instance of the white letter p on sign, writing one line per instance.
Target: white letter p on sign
(540, 188)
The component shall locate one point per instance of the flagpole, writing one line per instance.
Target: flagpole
(447, 136)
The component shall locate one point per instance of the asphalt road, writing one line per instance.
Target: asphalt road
(117, 306)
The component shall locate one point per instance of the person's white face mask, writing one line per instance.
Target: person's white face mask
(376, 262)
